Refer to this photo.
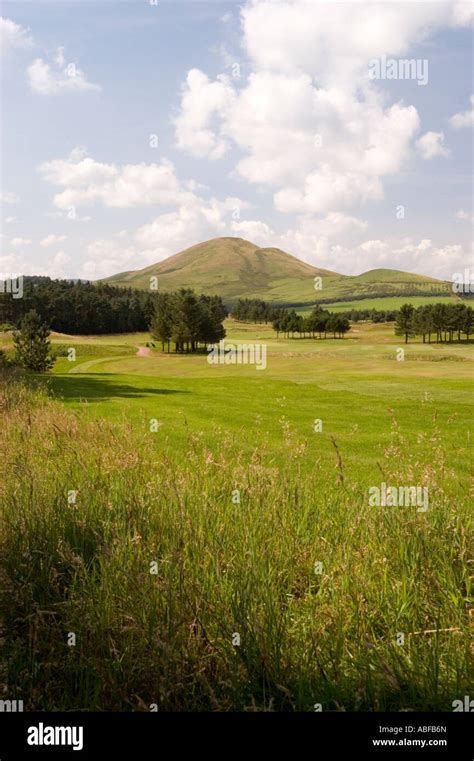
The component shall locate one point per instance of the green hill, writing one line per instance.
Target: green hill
(235, 268)
(383, 283)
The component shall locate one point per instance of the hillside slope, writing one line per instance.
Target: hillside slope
(236, 268)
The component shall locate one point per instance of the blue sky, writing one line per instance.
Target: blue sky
(133, 130)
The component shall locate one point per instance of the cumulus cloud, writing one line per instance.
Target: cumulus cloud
(464, 118)
(201, 101)
(186, 216)
(59, 77)
(255, 231)
(421, 256)
(6, 197)
(105, 257)
(308, 121)
(193, 221)
(431, 144)
(61, 258)
(20, 242)
(13, 264)
(87, 181)
(464, 215)
(13, 36)
(51, 240)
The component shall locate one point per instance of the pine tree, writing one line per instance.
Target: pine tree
(162, 324)
(468, 322)
(32, 344)
(404, 322)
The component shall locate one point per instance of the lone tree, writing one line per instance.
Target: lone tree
(32, 344)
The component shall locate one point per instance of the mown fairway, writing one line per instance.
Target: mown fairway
(389, 302)
(317, 584)
(355, 386)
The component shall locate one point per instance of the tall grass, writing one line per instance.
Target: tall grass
(223, 569)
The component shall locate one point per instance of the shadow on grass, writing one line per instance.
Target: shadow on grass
(96, 388)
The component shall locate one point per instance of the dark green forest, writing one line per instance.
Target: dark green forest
(79, 308)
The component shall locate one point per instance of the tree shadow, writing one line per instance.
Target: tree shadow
(96, 388)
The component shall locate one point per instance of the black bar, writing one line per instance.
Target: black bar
(296, 735)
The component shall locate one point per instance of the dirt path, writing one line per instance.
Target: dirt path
(143, 351)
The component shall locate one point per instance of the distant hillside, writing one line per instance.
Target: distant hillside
(235, 268)
(382, 283)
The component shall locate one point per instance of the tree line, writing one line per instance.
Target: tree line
(182, 317)
(444, 289)
(79, 308)
(445, 322)
(188, 320)
(255, 310)
(371, 315)
(320, 322)
(258, 311)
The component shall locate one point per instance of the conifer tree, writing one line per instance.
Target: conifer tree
(32, 345)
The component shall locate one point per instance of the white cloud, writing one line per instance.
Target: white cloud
(327, 190)
(431, 144)
(464, 215)
(421, 256)
(61, 258)
(13, 264)
(87, 181)
(105, 257)
(336, 224)
(59, 78)
(193, 221)
(308, 121)
(9, 220)
(19, 263)
(313, 239)
(255, 231)
(51, 240)
(465, 118)
(463, 13)
(77, 171)
(9, 198)
(13, 36)
(335, 41)
(379, 248)
(201, 101)
(20, 242)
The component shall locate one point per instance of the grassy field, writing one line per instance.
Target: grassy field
(220, 552)
(353, 385)
(387, 303)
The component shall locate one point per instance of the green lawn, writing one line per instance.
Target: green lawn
(389, 302)
(355, 386)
